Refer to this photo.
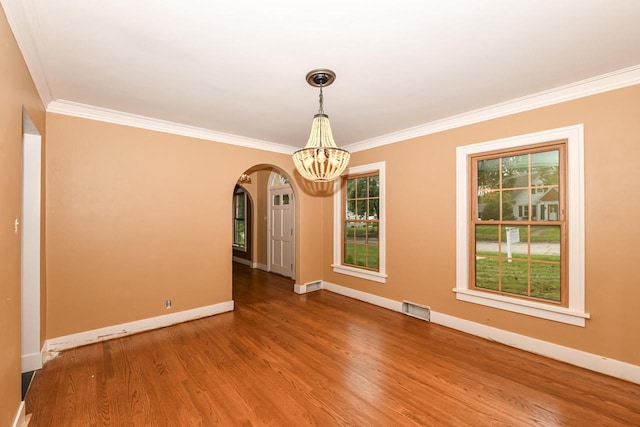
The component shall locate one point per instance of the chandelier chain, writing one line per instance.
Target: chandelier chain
(321, 109)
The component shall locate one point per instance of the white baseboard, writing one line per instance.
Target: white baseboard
(243, 261)
(19, 421)
(116, 331)
(262, 267)
(593, 362)
(363, 296)
(31, 362)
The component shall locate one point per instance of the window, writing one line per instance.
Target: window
(359, 218)
(239, 219)
(361, 221)
(518, 255)
(520, 210)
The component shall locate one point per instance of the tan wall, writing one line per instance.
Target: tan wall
(16, 89)
(421, 211)
(135, 217)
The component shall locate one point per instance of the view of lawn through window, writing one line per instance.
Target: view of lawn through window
(361, 221)
(518, 223)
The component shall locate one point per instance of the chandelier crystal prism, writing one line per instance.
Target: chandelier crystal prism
(321, 160)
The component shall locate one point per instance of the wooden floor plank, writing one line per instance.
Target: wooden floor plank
(322, 359)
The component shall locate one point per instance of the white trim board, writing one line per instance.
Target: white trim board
(599, 84)
(243, 261)
(117, 331)
(76, 109)
(31, 362)
(590, 361)
(19, 420)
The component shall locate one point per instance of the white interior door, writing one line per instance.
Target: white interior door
(281, 232)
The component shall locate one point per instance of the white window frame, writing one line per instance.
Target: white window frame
(575, 313)
(338, 267)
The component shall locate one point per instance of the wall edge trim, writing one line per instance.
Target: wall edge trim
(593, 362)
(116, 331)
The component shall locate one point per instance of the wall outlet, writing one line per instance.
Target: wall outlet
(167, 304)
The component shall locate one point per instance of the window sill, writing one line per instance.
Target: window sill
(530, 308)
(375, 276)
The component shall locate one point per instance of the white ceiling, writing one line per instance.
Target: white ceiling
(238, 67)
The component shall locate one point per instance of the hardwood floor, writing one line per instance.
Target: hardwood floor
(283, 359)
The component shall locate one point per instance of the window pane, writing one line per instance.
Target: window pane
(372, 233)
(487, 272)
(361, 209)
(349, 254)
(545, 281)
(373, 209)
(489, 206)
(374, 186)
(514, 243)
(515, 171)
(372, 257)
(361, 232)
(545, 243)
(361, 187)
(285, 199)
(351, 189)
(548, 205)
(239, 204)
(351, 209)
(238, 237)
(515, 277)
(515, 205)
(544, 168)
(276, 200)
(488, 174)
(349, 232)
(360, 255)
(487, 240)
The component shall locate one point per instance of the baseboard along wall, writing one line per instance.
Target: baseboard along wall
(116, 331)
(593, 362)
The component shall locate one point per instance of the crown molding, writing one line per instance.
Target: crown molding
(606, 82)
(22, 22)
(70, 108)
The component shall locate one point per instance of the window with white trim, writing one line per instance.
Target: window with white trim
(359, 223)
(515, 196)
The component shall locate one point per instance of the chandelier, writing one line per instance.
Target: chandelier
(321, 160)
(244, 179)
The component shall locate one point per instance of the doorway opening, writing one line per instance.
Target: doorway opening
(264, 222)
(30, 249)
